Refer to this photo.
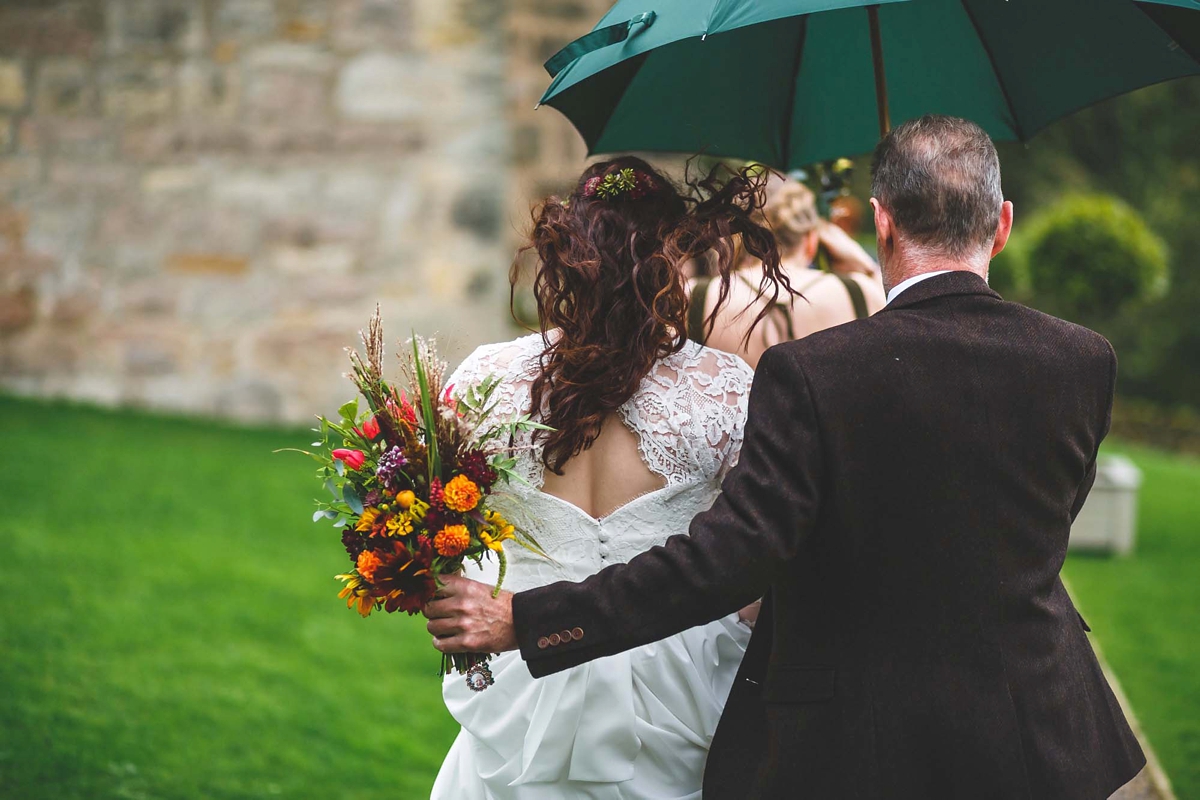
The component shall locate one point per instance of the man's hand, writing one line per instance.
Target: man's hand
(465, 618)
(748, 616)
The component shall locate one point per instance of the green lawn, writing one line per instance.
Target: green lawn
(169, 624)
(1145, 612)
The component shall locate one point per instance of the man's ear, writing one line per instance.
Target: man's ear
(883, 227)
(1003, 228)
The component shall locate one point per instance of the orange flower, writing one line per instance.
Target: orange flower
(461, 494)
(367, 563)
(452, 540)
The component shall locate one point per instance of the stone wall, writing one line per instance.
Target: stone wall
(547, 153)
(201, 201)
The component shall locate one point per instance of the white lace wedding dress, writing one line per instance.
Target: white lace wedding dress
(635, 725)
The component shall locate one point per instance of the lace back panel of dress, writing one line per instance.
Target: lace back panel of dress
(688, 416)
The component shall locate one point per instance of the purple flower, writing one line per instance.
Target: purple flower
(390, 464)
(373, 497)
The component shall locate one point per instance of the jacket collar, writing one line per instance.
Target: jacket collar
(950, 284)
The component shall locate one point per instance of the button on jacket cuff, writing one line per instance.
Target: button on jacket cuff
(537, 641)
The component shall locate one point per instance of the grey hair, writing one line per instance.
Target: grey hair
(939, 178)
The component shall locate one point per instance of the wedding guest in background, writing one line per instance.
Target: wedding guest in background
(850, 290)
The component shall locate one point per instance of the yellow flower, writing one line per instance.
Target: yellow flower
(494, 538)
(367, 520)
(499, 529)
(418, 509)
(452, 540)
(461, 494)
(399, 525)
(499, 523)
(406, 499)
(356, 594)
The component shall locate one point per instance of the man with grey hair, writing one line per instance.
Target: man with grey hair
(937, 199)
(904, 496)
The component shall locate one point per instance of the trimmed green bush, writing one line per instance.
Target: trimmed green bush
(1090, 256)
(1009, 272)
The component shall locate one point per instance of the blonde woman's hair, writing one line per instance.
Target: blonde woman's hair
(791, 212)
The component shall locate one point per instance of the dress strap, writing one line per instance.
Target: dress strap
(696, 306)
(777, 310)
(857, 298)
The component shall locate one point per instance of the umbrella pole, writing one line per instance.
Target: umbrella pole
(881, 95)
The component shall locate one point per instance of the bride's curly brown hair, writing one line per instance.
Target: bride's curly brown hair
(611, 281)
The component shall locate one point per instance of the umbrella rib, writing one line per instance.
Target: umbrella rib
(987, 48)
(791, 109)
(1145, 9)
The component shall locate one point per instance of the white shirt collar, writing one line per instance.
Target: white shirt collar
(913, 281)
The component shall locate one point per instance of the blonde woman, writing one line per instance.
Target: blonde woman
(852, 289)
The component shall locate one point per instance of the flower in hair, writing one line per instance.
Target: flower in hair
(628, 181)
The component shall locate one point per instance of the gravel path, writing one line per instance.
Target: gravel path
(1140, 788)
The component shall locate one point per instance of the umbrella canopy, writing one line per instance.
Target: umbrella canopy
(793, 82)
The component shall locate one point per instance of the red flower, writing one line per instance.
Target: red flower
(369, 429)
(401, 409)
(352, 458)
(404, 580)
(436, 493)
(642, 186)
(474, 465)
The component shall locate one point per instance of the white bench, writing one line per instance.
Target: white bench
(1108, 520)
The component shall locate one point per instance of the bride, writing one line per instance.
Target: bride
(645, 425)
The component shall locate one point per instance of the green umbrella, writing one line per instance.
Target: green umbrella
(793, 82)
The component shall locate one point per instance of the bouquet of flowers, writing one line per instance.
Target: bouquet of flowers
(410, 482)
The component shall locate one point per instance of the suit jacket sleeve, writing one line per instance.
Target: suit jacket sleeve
(768, 503)
(1089, 479)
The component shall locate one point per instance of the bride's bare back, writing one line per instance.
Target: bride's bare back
(682, 425)
(607, 475)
